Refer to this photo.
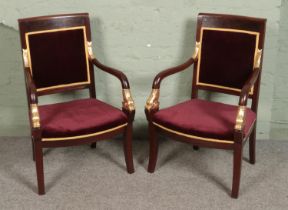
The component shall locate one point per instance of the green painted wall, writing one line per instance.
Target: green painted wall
(142, 38)
(279, 119)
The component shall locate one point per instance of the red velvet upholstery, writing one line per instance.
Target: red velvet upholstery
(226, 58)
(58, 58)
(79, 117)
(203, 118)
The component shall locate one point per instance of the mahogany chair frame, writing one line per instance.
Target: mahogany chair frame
(250, 90)
(66, 22)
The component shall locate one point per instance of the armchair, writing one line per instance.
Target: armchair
(227, 59)
(58, 57)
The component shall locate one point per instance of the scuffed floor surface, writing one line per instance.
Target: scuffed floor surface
(83, 178)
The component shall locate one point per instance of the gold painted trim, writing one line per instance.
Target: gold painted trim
(56, 30)
(153, 100)
(35, 118)
(239, 125)
(257, 34)
(257, 58)
(192, 136)
(25, 58)
(219, 86)
(62, 86)
(85, 136)
(196, 51)
(90, 50)
(128, 102)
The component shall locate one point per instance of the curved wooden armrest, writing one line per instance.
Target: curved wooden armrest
(32, 99)
(165, 73)
(160, 76)
(119, 74)
(244, 95)
(152, 103)
(128, 104)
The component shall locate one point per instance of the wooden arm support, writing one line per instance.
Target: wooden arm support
(128, 103)
(31, 87)
(244, 95)
(32, 99)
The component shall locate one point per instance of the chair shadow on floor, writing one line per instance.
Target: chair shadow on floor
(198, 164)
(21, 179)
(197, 161)
(167, 154)
(67, 168)
(15, 174)
(105, 153)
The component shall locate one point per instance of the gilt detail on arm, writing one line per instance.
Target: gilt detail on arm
(153, 100)
(35, 118)
(240, 119)
(128, 102)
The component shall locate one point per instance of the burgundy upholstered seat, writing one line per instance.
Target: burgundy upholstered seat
(203, 118)
(79, 117)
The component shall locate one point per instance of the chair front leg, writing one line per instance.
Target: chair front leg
(33, 149)
(195, 147)
(39, 167)
(153, 148)
(237, 164)
(252, 146)
(127, 144)
(93, 145)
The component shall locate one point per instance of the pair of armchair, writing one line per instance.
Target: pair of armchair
(58, 57)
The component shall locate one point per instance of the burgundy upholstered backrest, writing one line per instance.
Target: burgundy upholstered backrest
(57, 51)
(228, 45)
